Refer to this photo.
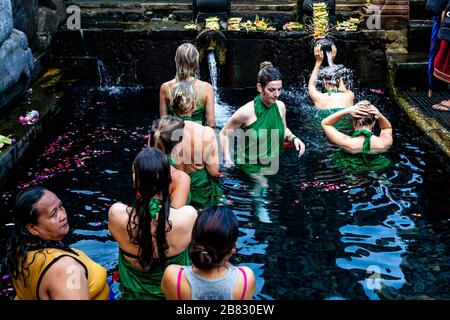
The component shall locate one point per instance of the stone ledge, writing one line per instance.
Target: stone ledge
(47, 92)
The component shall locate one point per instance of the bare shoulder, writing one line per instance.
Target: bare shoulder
(184, 216)
(63, 267)
(172, 271)
(180, 176)
(281, 106)
(206, 85)
(117, 215)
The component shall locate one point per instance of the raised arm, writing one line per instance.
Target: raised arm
(385, 126)
(312, 90)
(210, 118)
(332, 133)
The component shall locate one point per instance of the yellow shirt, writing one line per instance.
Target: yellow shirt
(44, 259)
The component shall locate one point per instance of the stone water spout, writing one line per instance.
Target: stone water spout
(16, 59)
(212, 40)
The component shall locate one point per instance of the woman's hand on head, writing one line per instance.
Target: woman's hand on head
(373, 110)
(318, 54)
(358, 110)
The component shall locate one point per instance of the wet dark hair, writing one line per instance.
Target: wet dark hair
(151, 178)
(267, 73)
(214, 235)
(18, 244)
(161, 136)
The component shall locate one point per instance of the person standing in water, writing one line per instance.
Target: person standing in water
(198, 152)
(165, 135)
(187, 68)
(211, 276)
(151, 235)
(363, 149)
(263, 122)
(337, 96)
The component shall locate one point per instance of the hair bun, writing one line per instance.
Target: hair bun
(265, 64)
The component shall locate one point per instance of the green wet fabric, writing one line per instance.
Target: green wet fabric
(330, 92)
(204, 190)
(154, 206)
(250, 158)
(363, 161)
(199, 113)
(345, 123)
(136, 284)
(174, 165)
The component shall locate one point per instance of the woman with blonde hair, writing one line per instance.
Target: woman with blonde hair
(187, 68)
(198, 153)
(165, 134)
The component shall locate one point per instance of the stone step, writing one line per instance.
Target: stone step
(411, 70)
(419, 35)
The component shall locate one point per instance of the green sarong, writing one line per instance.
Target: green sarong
(136, 284)
(263, 141)
(364, 161)
(204, 190)
(345, 123)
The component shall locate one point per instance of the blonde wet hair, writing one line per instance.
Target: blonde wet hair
(162, 133)
(183, 96)
(187, 61)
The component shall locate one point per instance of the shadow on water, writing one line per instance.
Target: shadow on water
(313, 231)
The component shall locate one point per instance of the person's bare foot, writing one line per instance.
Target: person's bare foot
(442, 106)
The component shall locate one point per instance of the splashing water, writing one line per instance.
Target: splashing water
(330, 61)
(222, 110)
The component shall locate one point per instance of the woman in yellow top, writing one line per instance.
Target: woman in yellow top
(41, 266)
(187, 65)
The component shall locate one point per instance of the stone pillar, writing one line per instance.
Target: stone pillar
(16, 59)
(25, 18)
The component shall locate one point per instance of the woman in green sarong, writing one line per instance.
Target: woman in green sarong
(165, 134)
(187, 65)
(150, 234)
(263, 131)
(362, 151)
(263, 127)
(198, 153)
(337, 96)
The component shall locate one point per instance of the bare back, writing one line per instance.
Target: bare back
(178, 238)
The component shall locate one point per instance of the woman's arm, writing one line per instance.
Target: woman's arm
(385, 126)
(169, 283)
(237, 121)
(64, 280)
(162, 100)
(210, 117)
(180, 194)
(332, 133)
(211, 152)
(288, 135)
(312, 90)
